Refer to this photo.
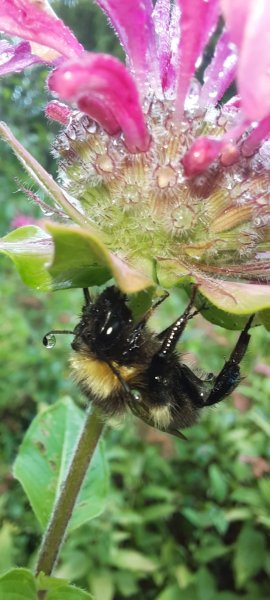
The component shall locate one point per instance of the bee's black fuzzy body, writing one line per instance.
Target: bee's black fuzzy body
(120, 365)
(107, 342)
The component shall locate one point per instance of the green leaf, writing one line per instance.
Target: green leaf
(48, 583)
(227, 596)
(58, 589)
(218, 485)
(256, 418)
(170, 593)
(82, 260)
(132, 561)
(102, 585)
(30, 248)
(68, 592)
(18, 584)
(157, 511)
(7, 538)
(205, 584)
(43, 461)
(250, 554)
(206, 554)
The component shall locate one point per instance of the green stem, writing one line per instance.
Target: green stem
(57, 526)
(46, 182)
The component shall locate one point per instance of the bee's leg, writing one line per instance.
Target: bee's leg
(156, 303)
(172, 334)
(229, 377)
(129, 394)
(87, 296)
(152, 308)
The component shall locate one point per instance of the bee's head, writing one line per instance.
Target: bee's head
(105, 325)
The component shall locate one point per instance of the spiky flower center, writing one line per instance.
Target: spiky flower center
(150, 209)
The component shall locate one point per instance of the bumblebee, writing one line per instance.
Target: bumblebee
(121, 365)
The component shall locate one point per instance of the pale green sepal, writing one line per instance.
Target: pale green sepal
(82, 260)
(31, 250)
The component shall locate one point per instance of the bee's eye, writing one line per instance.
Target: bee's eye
(110, 330)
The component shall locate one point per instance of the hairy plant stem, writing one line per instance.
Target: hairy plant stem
(57, 526)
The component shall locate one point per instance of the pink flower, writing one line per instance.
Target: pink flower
(20, 220)
(162, 62)
(155, 154)
(15, 57)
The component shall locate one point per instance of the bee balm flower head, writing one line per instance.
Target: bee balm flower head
(174, 178)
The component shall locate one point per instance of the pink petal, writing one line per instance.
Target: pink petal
(254, 62)
(260, 133)
(198, 20)
(16, 58)
(103, 79)
(133, 22)
(234, 102)
(99, 112)
(29, 22)
(57, 112)
(161, 18)
(220, 73)
(235, 13)
(169, 81)
(200, 155)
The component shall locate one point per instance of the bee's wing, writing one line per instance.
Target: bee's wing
(140, 410)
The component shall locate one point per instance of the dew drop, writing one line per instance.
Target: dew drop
(49, 340)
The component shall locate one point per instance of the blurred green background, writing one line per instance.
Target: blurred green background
(187, 520)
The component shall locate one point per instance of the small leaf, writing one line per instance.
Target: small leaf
(82, 260)
(7, 542)
(206, 585)
(48, 583)
(102, 585)
(43, 460)
(264, 425)
(250, 554)
(157, 511)
(132, 561)
(218, 485)
(18, 584)
(205, 554)
(68, 592)
(170, 593)
(31, 250)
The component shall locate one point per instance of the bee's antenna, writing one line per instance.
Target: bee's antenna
(49, 338)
